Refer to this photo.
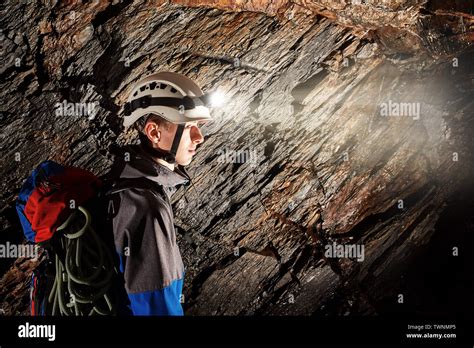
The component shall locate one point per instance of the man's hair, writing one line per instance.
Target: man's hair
(141, 122)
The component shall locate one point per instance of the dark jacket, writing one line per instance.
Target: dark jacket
(145, 235)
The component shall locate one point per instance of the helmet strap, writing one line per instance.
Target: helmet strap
(177, 139)
(168, 156)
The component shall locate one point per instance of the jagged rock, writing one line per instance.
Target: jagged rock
(307, 82)
(15, 286)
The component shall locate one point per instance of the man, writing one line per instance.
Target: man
(167, 109)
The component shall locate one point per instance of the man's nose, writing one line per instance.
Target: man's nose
(196, 135)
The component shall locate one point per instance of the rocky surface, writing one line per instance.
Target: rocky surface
(306, 83)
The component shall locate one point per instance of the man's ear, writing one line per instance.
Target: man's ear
(152, 132)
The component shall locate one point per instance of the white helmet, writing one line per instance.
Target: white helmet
(172, 96)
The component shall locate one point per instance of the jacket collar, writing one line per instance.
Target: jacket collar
(142, 166)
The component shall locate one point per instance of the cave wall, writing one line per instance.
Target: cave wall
(306, 82)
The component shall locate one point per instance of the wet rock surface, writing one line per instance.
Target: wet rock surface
(312, 88)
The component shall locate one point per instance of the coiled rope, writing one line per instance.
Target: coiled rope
(82, 281)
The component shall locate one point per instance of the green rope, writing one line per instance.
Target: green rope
(82, 281)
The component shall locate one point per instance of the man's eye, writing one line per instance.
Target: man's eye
(199, 125)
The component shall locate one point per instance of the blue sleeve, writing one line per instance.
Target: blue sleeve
(164, 302)
(158, 302)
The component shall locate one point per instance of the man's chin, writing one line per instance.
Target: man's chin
(186, 162)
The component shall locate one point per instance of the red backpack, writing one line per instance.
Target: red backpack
(57, 207)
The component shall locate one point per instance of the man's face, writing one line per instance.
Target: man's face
(190, 138)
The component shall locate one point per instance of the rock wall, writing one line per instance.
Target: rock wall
(346, 122)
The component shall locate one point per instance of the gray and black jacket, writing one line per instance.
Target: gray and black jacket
(145, 235)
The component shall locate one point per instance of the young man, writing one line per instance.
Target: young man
(167, 109)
